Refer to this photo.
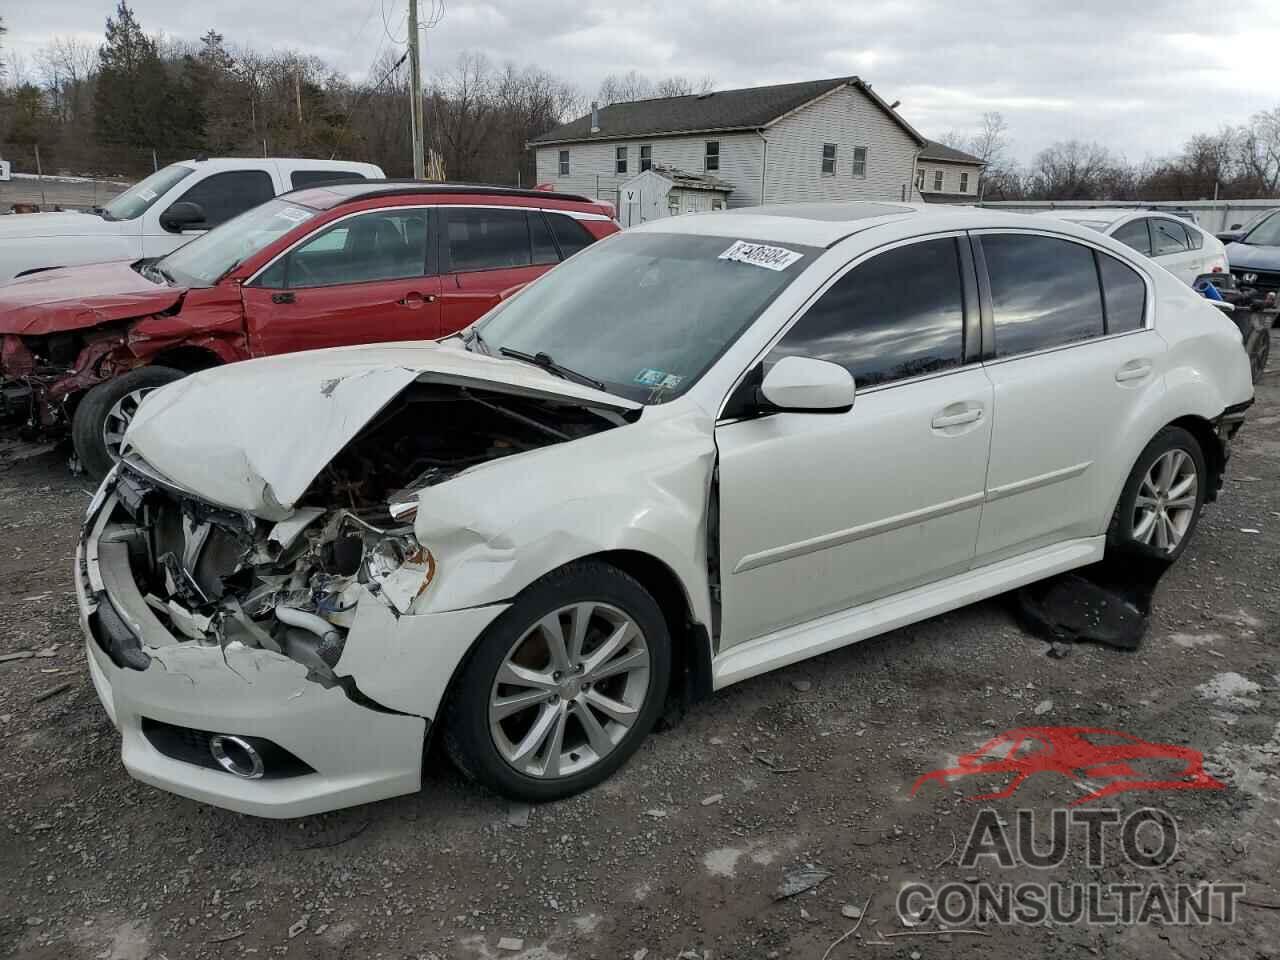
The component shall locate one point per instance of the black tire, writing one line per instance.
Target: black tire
(467, 736)
(1259, 353)
(91, 415)
(1120, 536)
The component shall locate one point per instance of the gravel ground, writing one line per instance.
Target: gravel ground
(95, 865)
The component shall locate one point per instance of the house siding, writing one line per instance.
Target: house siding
(847, 118)
(950, 176)
(591, 165)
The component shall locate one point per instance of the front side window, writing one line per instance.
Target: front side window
(139, 198)
(620, 159)
(1124, 295)
(646, 158)
(564, 163)
(1135, 234)
(898, 315)
(964, 183)
(1044, 292)
(859, 161)
(379, 245)
(645, 313)
(225, 195)
(711, 159)
(487, 239)
(207, 258)
(828, 159)
(1169, 236)
(937, 180)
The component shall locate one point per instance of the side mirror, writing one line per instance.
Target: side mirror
(182, 215)
(808, 385)
(1231, 236)
(1236, 226)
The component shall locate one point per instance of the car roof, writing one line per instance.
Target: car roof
(824, 224)
(289, 163)
(351, 191)
(1107, 215)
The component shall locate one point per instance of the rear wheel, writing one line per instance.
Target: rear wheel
(562, 688)
(97, 429)
(1162, 499)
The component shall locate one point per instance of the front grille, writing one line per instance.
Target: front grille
(192, 746)
(1267, 279)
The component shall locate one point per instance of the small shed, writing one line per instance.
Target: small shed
(667, 192)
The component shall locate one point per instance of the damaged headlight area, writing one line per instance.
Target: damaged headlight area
(214, 576)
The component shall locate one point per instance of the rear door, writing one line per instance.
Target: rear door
(1072, 370)
(487, 252)
(365, 278)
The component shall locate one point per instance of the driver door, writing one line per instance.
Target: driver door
(363, 279)
(821, 512)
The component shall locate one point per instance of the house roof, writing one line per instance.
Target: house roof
(693, 181)
(933, 150)
(751, 108)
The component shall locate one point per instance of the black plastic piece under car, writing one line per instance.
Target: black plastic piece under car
(192, 746)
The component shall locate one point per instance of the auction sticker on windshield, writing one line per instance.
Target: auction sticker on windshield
(761, 255)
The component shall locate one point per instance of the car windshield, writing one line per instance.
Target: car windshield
(135, 201)
(1266, 233)
(645, 313)
(207, 258)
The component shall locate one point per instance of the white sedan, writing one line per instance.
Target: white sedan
(697, 451)
(1178, 245)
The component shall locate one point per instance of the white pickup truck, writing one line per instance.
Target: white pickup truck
(160, 213)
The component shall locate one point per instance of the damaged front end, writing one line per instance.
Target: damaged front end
(40, 374)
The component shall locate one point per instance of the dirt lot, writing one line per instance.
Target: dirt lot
(94, 865)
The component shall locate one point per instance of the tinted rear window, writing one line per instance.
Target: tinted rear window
(570, 234)
(1125, 295)
(310, 178)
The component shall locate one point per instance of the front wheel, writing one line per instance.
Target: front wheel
(1162, 499)
(97, 429)
(560, 690)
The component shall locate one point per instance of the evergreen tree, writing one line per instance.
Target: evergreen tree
(134, 92)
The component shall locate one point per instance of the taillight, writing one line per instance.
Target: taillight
(1217, 268)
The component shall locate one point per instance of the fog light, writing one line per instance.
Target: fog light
(236, 755)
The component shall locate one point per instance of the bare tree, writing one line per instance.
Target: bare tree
(1071, 170)
(630, 86)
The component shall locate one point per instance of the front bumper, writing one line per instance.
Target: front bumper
(358, 753)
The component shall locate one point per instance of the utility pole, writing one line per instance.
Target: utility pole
(415, 95)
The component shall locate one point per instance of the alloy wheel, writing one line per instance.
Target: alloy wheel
(569, 690)
(118, 419)
(1166, 501)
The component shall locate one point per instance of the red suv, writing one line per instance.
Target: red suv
(322, 267)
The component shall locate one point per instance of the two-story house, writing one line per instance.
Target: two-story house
(947, 175)
(819, 140)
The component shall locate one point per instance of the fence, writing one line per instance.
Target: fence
(1214, 216)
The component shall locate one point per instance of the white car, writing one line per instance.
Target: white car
(159, 214)
(697, 451)
(1172, 241)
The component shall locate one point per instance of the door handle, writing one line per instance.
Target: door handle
(1133, 370)
(942, 420)
(415, 299)
(282, 298)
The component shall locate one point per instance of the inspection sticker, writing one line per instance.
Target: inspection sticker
(147, 195)
(293, 214)
(761, 255)
(650, 377)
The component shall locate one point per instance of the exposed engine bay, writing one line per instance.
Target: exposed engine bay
(214, 575)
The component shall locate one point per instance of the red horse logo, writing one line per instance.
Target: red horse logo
(1079, 753)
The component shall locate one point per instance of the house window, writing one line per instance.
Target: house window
(964, 183)
(620, 160)
(646, 158)
(564, 163)
(711, 159)
(828, 159)
(919, 179)
(937, 180)
(859, 161)
(673, 204)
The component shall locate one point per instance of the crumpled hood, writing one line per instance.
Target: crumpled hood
(75, 298)
(28, 225)
(1248, 256)
(253, 435)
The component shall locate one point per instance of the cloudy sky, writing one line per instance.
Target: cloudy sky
(1139, 77)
